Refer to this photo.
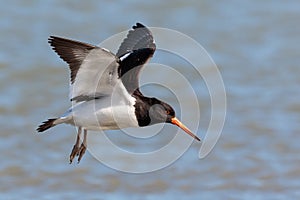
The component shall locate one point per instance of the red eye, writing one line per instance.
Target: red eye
(167, 112)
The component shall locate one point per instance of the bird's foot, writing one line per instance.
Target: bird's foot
(77, 151)
(74, 153)
(81, 152)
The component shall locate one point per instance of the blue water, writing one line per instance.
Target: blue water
(253, 43)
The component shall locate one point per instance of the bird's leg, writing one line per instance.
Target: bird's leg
(76, 147)
(83, 146)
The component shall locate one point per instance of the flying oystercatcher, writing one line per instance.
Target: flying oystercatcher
(104, 88)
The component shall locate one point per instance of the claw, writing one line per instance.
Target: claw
(76, 146)
(79, 150)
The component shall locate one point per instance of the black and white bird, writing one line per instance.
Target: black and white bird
(104, 88)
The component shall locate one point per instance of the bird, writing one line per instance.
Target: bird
(104, 88)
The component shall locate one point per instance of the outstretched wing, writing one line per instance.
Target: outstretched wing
(136, 49)
(93, 69)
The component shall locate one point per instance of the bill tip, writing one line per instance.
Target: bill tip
(197, 138)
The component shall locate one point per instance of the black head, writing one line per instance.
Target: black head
(160, 112)
(151, 111)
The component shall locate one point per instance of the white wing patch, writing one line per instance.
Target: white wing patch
(125, 56)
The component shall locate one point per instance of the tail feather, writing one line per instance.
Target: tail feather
(46, 125)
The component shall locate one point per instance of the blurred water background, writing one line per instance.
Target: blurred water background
(256, 47)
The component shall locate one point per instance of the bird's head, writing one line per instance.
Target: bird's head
(161, 112)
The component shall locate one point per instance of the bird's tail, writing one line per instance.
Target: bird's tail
(47, 124)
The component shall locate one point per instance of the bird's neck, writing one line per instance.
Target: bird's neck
(142, 107)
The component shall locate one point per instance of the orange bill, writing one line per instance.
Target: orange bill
(178, 123)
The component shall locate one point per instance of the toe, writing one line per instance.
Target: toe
(74, 152)
(81, 152)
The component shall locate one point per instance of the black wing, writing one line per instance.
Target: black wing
(136, 49)
(71, 51)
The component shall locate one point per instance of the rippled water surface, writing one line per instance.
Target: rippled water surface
(256, 47)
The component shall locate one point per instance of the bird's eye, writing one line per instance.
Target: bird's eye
(167, 112)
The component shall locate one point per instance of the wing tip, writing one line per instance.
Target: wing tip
(52, 39)
(138, 25)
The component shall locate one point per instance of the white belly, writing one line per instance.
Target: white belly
(101, 115)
